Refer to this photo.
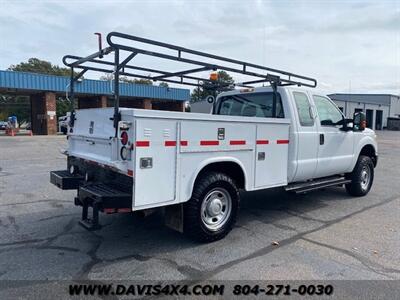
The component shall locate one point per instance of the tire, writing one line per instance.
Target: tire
(361, 178)
(211, 212)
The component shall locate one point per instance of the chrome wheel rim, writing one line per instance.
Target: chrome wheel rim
(216, 209)
(365, 177)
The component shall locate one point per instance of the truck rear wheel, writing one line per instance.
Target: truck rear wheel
(211, 212)
(361, 177)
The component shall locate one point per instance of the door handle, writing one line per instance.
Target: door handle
(321, 138)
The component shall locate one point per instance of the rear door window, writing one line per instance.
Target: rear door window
(303, 109)
(251, 105)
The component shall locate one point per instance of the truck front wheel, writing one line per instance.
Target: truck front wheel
(211, 212)
(361, 177)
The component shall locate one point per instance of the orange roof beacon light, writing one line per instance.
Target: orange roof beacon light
(214, 76)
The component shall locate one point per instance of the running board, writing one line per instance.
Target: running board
(316, 184)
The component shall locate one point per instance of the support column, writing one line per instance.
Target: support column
(147, 104)
(51, 109)
(43, 113)
(103, 101)
(180, 106)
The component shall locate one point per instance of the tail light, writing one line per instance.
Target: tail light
(124, 138)
(124, 153)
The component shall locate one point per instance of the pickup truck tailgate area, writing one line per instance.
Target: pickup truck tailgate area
(92, 135)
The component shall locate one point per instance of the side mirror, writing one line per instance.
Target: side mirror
(359, 121)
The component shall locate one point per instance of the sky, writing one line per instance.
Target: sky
(348, 46)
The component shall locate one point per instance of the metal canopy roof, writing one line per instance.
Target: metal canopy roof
(59, 84)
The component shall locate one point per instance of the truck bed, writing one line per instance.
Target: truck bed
(167, 150)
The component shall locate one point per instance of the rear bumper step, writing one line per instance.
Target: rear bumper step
(106, 195)
(100, 197)
(316, 184)
(65, 180)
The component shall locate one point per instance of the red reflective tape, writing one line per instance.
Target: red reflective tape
(170, 143)
(184, 143)
(130, 172)
(237, 142)
(209, 143)
(262, 142)
(142, 143)
(109, 210)
(282, 141)
(122, 210)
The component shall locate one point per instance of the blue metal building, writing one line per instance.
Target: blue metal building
(11, 80)
(43, 91)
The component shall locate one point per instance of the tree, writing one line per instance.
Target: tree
(19, 105)
(141, 81)
(201, 93)
(11, 105)
(126, 79)
(163, 84)
(35, 65)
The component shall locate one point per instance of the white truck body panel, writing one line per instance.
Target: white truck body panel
(270, 151)
(180, 145)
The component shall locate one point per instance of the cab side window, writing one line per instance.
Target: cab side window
(303, 109)
(251, 105)
(328, 112)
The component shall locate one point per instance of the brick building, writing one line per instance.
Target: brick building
(43, 91)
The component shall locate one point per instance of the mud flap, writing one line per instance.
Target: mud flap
(174, 217)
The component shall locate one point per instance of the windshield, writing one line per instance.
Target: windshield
(251, 105)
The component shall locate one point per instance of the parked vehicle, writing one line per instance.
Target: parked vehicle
(63, 124)
(193, 165)
(3, 125)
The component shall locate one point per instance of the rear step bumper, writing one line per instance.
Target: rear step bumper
(101, 197)
(316, 184)
(65, 180)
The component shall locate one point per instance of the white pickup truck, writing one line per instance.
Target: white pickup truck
(193, 165)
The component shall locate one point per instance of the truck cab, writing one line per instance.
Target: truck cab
(323, 143)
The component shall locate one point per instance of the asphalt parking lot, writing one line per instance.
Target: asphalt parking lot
(321, 235)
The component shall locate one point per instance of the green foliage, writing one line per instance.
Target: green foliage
(15, 105)
(106, 77)
(199, 93)
(141, 81)
(35, 65)
(126, 79)
(63, 106)
(20, 105)
(163, 84)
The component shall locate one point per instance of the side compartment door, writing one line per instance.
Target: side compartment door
(335, 153)
(155, 161)
(272, 144)
(307, 138)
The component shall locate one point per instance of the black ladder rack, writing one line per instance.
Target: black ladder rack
(132, 46)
